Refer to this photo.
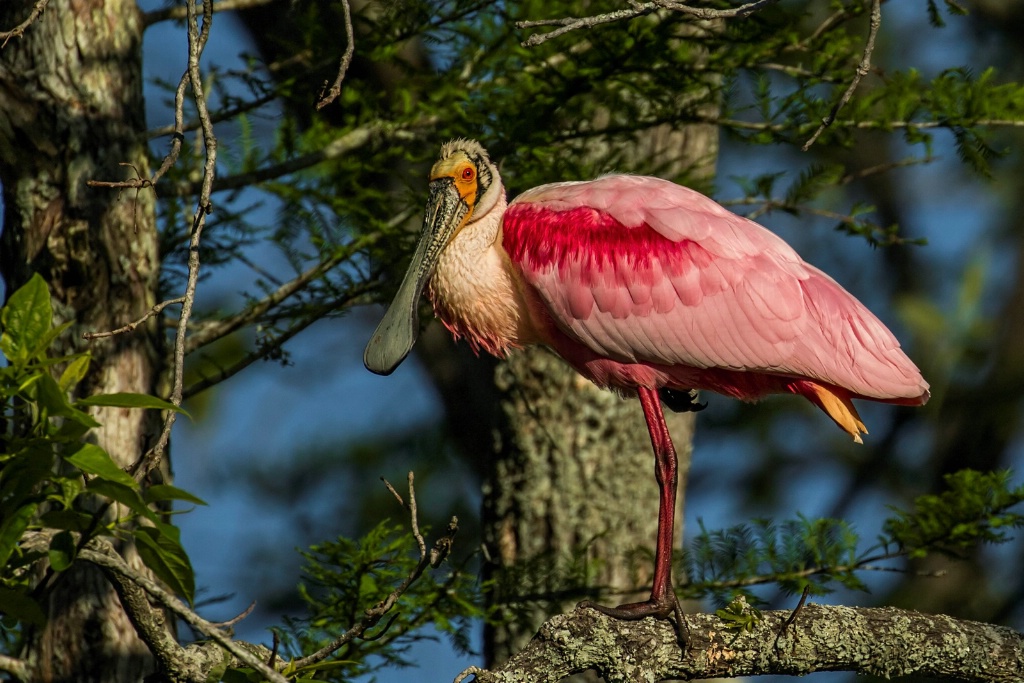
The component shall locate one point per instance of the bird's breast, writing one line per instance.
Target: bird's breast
(476, 294)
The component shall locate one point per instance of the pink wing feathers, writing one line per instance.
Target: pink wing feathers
(644, 271)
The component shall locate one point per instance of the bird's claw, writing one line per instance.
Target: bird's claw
(663, 608)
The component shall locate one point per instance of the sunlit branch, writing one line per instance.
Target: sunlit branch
(101, 554)
(18, 668)
(879, 641)
(636, 9)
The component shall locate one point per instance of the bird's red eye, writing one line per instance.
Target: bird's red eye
(467, 173)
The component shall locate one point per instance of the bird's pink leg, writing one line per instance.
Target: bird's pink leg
(663, 601)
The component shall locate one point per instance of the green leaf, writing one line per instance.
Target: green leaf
(167, 559)
(66, 519)
(160, 492)
(92, 459)
(12, 529)
(125, 495)
(51, 397)
(21, 475)
(74, 372)
(126, 400)
(54, 399)
(25, 319)
(62, 551)
(21, 607)
(43, 343)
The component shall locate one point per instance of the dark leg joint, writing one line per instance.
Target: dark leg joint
(681, 400)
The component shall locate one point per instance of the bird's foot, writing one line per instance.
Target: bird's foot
(681, 400)
(664, 607)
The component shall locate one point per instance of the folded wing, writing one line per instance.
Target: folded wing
(641, 270)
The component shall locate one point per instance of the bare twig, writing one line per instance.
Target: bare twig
(197, 38)
(234, 620)
(862, 71)
(636, 9)
(830, 22)
(394, 493)
(223, 115)
(132, 325)
(374, 614)
(346, 59)
(18, 30)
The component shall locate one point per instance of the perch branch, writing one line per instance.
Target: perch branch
(181, 12)
(18, 668)
(886, 642)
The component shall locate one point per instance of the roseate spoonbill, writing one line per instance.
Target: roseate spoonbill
(640, 285)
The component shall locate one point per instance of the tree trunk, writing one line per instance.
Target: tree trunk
(71, 110)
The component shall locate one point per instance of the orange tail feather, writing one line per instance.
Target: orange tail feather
(835, 404)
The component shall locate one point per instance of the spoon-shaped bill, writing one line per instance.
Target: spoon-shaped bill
(396, 334)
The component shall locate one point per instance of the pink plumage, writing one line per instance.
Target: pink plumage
(648, 282)
(641, 285)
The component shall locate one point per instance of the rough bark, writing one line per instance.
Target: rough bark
(886, 642)
(71, 110)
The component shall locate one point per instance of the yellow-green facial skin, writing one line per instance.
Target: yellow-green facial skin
(463, 172)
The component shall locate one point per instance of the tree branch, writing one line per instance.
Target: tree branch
(636, 9)
(180, 11)
(18, 30)
(350, 141)
(346, 59)
(197, 37)
(132, 325)
(862, 71)
(18, 668)
(881, 641)
(131, 584)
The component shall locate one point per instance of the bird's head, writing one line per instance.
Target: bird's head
(464, 187)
